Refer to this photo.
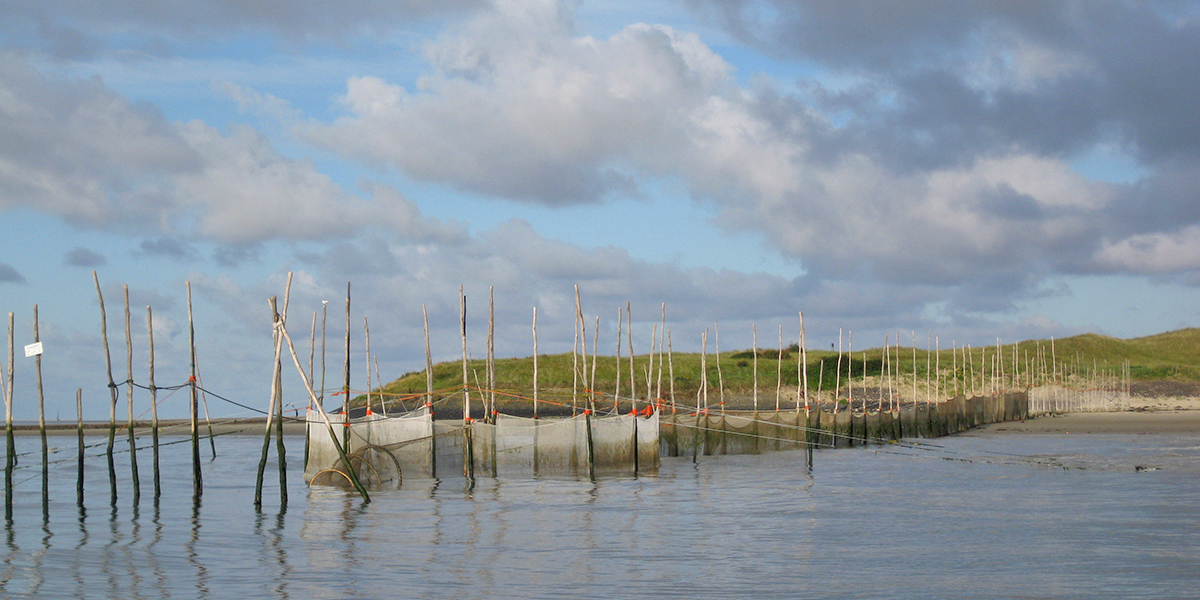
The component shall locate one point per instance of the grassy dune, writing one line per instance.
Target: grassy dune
(1171, 356)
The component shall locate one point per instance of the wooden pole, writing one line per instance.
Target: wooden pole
(671, 371)
(754, 331)
(575, 359)
(346, 379)
(535, 365)
(629, 337)
(280, 450)
(429, 393)
(153, 403)
(79, 436)
(324, 314)
(277, 340)
(803, 369)
(11, 450)
(720, 376)
(837, 388)
(42, 422)
(133, 466)
(312, 351)
(850, 369)
(468, 439)
(197, 476)
(595, 353)
(914, 354)
(491, 357)
(650, 366)
(662, 333)
(112, 390)
(779, 370)
(620, 340)
(367, 348)
(703, 373)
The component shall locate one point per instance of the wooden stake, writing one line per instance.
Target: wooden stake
(703, 373)
(662, 333)
(112, 390)
(79, 459)
(277, 340)
(754, 330)
(11, 450)
(837, 388)
(367, 348)
(153, 403)
(720, 377)
(671, 372)
(779, 370)
(629, 336)
(346, 379)
(620, 340)
(42, 422)
(535, 365)
(491, 358)
(197, 477)
(595, 352)
(133, 466)
(468, 442)
(429, 393)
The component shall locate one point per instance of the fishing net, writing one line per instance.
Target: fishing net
(380, 449)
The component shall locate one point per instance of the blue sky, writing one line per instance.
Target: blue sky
(978, 170)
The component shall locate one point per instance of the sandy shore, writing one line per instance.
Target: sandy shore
(1127, 422)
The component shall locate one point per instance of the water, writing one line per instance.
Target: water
(967, 517)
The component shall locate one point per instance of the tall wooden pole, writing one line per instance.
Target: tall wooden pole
(629, 337)
(779, 370)
(754, 347)
(535, 364)
(720, 376)
(79, 458)
(671, 371)
(429, 395)
(491, 357)
(10, 454)
(42, 422)
(153, 403)
(197, 477)
(277, 339)
(367, 348)
(595, 352)
(620, 340)
(346, 379)
(112, 391)
(133, 466)
(662, 334)
(468, 440)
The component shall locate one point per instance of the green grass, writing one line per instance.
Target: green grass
(1172, 355)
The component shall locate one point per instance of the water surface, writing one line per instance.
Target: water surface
(967, 517)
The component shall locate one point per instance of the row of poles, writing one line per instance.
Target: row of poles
(114, 393)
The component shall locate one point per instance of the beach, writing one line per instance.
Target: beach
(1143, 415)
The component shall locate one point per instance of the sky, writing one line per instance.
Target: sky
(928, 169)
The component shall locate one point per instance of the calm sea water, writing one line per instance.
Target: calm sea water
(966, 517)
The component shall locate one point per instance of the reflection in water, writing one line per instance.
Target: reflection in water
(717, 527)
(193, 555)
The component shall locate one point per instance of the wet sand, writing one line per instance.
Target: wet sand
(1126, 422)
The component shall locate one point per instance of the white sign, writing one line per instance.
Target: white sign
(33, 349)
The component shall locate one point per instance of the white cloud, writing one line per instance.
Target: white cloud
(1162, 252)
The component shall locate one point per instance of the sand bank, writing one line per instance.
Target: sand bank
(1127, 422)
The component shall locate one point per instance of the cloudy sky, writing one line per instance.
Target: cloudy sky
(972, 169)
